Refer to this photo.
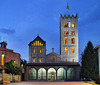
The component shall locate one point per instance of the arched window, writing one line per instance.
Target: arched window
(40, 50)
(71, 74)
(72, 25)
(61, 74)
(33, 60)
(66, 49)
(33, 50)
(41, 74)
(72, 50)
(40, 60)
(65, 40)
(32, 74)
(73, 40)
(51, 74)
(66, 25)
(72, 32)
(53, 60)
(65, 60)
(36, 43)
(66, 32)
(69, 24)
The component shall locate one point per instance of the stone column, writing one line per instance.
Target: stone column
(36, 74)
(66, 73)
(56, 74)
(46, 74)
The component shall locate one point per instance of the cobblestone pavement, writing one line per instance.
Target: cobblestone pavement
(49, 83)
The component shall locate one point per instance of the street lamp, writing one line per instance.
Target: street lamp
(2, 63)
(2, 59)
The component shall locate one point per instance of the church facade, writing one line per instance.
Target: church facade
(55, 67)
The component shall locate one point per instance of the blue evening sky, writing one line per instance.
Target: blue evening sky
(22, 20)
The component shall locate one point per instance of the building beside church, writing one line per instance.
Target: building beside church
(55, 67)
(9, 54)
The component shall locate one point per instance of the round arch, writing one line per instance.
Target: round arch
(41, 74)
(61, 74)
(32, 74)
(51, 74)
(71, 74)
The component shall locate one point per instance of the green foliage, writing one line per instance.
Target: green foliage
(23, 62)
(89, 68)
(13, 68)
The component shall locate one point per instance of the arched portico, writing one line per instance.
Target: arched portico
(32, 74)
(61, 74)
(51, 74)
(41, 74)
(71, 74)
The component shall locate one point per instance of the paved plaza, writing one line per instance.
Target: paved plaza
(49, 83)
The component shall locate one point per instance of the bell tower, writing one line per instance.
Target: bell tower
(69, 38)
(37, 50)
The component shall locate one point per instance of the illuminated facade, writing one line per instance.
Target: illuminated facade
(8, 54)
(69, 38)
(52, 67)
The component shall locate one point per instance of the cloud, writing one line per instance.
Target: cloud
(7, 31)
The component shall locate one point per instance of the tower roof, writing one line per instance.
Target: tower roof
(38, 38)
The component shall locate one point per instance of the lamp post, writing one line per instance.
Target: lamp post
(2, 63)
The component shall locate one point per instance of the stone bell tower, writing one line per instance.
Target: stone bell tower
(37, 50)
(69, 38)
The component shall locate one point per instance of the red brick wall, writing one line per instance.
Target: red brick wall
(9, 55)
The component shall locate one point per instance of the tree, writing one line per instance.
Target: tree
(13, 68)
(89, 68)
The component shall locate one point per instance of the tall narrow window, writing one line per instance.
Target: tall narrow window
(33, 60)
(65, 60)
(72, 60)
(53, 59)
(66, 49)
(66, 25)
(66, 32)
(72, 32)
(72, 50)
(40, 60)
(72, 25)
(32, 44)
(40, 43)
(73, 40)
(40, 50)
(69, 24)
(33, 50)
(36, 43)
(65, 40)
